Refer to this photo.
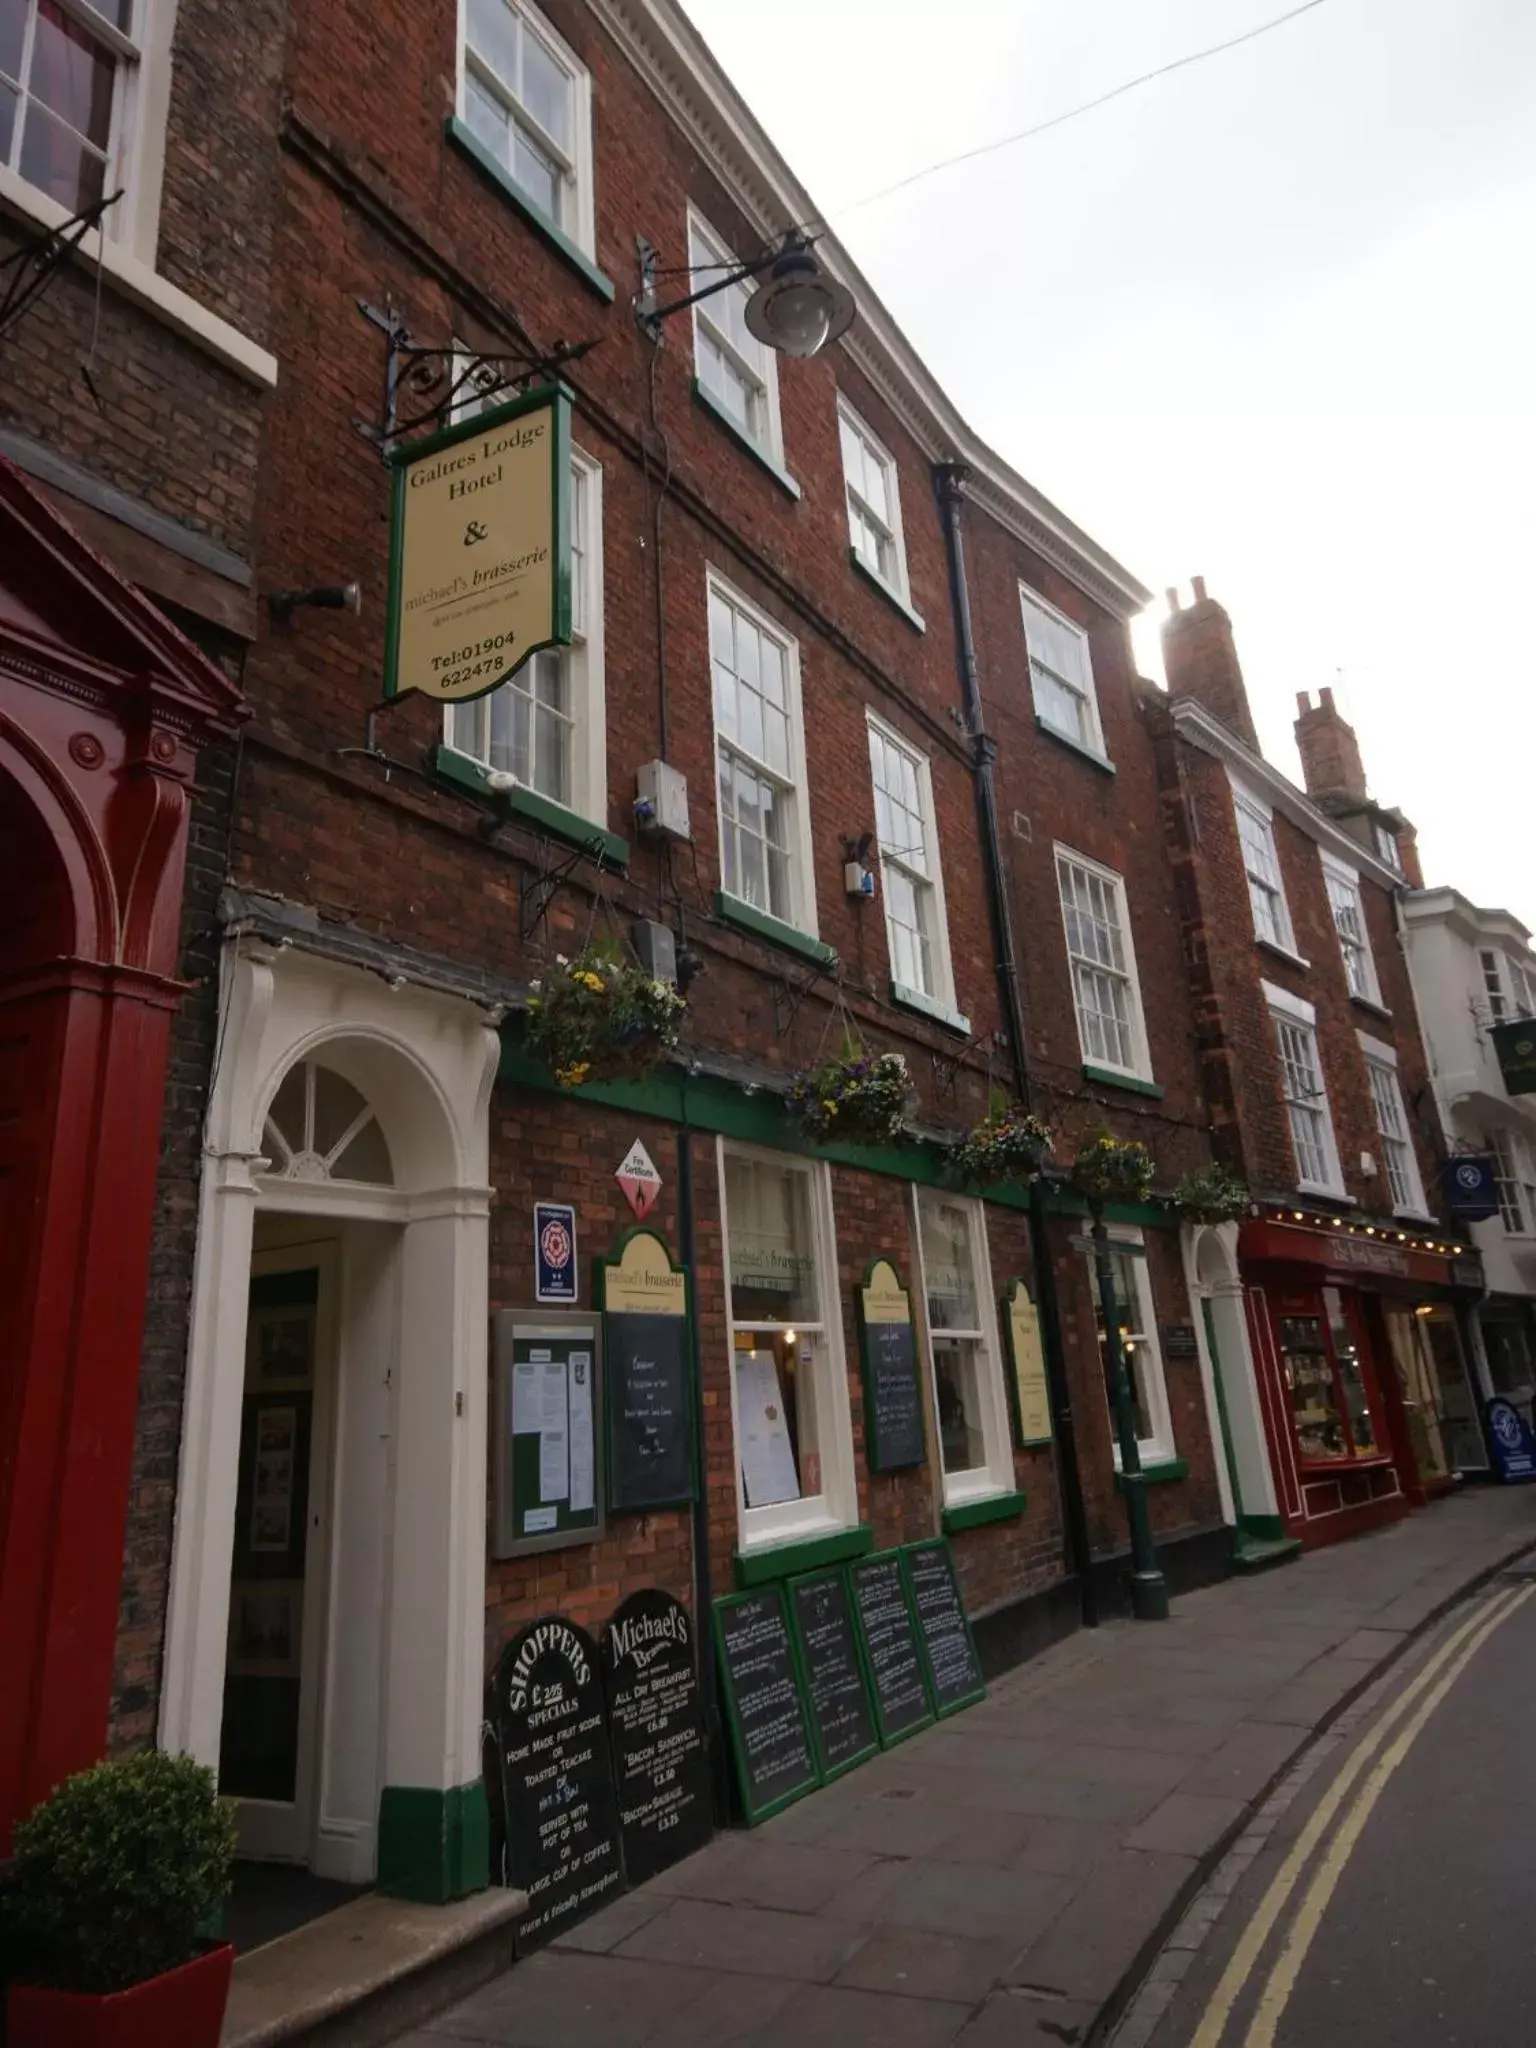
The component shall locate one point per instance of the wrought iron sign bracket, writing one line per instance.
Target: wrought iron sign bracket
(424, 387)
(28, 271)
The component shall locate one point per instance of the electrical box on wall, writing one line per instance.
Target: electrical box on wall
(661, 801)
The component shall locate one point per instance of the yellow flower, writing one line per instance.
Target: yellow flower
(592, 981)
(573, 1075)
(829, 1106)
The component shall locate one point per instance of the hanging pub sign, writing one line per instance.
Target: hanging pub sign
(480, 549)
(1031, 1400)
(893, 1400)
(660, 1764)
(1470, 1188)
(1515, 1045)
(649, 1378)
(555, 1774)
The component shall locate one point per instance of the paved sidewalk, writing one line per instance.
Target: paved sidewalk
(999, 1879)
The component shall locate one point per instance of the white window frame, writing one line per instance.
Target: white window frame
(577, 220)
(1262, 815)
(1514, 1179)
(1387, 1097)
(583, 658)
(942, 994)
(1158, 1448)
(1342, 883)
(1522, 983)
(706, 248)
(1084, 686)
(1386, 847)
(837, 1505)
(996, 1474)
(1286, 1009)
(874, 450)
(802, 872)
(1140, 1068)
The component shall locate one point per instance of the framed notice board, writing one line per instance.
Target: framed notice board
(837, 1689)
(887, 1632)
(648, 1420)
(1029, 1394)
(545, 1392)
(764, 1702)
(893, 1395)
(951, 1667)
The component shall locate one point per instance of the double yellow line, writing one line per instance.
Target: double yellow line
(1413, 1708)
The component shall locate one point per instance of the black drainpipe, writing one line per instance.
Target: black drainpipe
(949, 479)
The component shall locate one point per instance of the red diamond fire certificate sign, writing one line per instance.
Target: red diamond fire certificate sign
(638, 1177)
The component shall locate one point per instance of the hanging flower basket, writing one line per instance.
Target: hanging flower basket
(1107, 1170)
(600, 1017)
(856, 1097)
(1008, 1145)
(1210, 1195)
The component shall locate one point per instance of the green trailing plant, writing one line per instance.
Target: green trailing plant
(601, 1017)
(1210, 1195)
(856, 1097)
(1008, 1145)
(117, 1875)
(1108, 1169)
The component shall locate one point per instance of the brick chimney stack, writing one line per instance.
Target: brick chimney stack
(1330, 753)
(1200, 661)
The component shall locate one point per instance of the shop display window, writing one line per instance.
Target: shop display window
(1326, 1379)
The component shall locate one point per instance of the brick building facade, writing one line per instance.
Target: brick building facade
(133, 365)
(1345, 1378)
(753, 531)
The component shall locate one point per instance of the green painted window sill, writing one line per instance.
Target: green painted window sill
(913, 999)
(897, 603)
(973, 1514)
(462, 138)
(539, 811)
(1160, 1474)
(1108, 1078)
(787, 1560)
(746, 918)
(1090, 754)
(716, 410)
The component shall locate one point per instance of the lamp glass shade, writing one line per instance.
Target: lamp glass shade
(798, 309)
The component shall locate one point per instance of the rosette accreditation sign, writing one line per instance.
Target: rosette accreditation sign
(480, 549)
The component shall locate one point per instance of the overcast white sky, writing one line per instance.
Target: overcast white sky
(1271, 320)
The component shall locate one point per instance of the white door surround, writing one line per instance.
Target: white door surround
(1211, 1271)
(407, 1548)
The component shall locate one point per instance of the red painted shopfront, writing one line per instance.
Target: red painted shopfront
(1361, 1371)
(103, 706)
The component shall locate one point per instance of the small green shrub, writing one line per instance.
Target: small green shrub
(117, 1873)
(1211, 1195)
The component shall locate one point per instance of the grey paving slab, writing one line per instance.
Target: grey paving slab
(1094, 1941)
(1187, 1824)
(1246, 1761)
(1013, 2019)
(793, 1877)
(702, 1935)
(963, 1898)
(605, 1930)
(1113, 1764)
(1068, 1848)
(836, 2018)
(728, 2012)
(558, 2000)
(919, 1962)
(903, 1823)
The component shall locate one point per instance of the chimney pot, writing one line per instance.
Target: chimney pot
(1201, 662)
(1303, 701)
(1173, 597)
(1197, 584)
(1325, 697)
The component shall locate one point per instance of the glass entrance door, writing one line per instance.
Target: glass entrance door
(264, 1754)
(1411, 1361)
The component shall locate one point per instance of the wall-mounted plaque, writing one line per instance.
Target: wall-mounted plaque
(557, 1801)
(836, 1689)
(1031, 1392)
(648, 1376)
(893, 1396)
(660, 1764)
(761, 1683)
(950, 1663)
(544, 1430)
(882, 1612)
(1180, 1341)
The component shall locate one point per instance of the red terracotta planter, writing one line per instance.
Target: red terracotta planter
(184, 2006)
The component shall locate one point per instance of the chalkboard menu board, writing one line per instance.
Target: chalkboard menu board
(836, 1691)
(950, 1664)
(888, 1636)
(660, 1766)
(769, 1735)
(893, 1399)
(557, 1799)
(648, 1379)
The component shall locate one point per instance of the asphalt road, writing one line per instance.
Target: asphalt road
(1393, 1904)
